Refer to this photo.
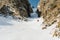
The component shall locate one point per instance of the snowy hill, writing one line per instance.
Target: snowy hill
(31, 30)
(12, 29)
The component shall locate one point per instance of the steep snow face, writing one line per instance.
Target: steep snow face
(30, 30)
(34, 14)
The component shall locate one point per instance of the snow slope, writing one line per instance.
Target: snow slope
(11, 29)
(34, 14)
(31, 30)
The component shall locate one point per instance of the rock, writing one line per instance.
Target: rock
(37, 20)
(16, 8)
(5, 10)
(50, 10)
(38, 12)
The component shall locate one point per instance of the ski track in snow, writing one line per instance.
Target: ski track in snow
(30, 30)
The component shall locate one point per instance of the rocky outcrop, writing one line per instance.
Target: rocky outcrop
(50, 10)
(16, 8)
(38, 12)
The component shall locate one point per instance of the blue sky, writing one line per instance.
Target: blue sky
(34, 2)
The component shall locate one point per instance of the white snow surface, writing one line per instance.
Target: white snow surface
(31, 30)
(11, 29)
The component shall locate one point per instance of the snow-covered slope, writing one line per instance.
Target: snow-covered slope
(30, 30)
(34, 14)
